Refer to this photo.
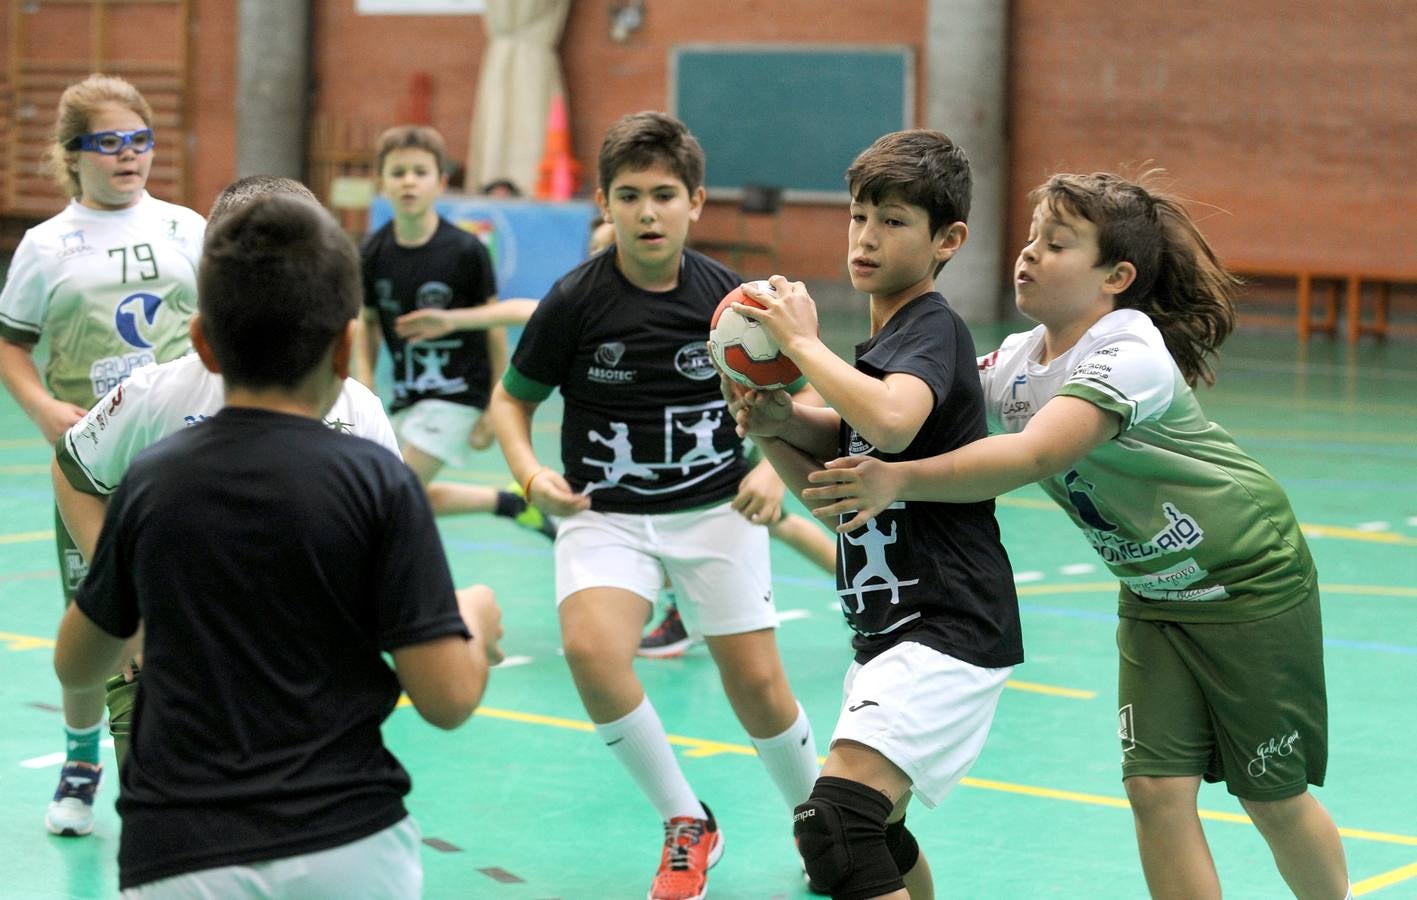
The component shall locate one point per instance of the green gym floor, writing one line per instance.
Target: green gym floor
(523, 802)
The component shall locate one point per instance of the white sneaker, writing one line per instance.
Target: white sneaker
(71, 811)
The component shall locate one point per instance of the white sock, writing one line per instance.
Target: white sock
(640, 744)
(1349, 895)
(791, 759)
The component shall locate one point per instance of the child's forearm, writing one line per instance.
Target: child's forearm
(812, 430)
(492, 314)
(791, 463)
(511, 420)
(871, 405)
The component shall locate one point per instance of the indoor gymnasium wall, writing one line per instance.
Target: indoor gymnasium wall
(1295, 120)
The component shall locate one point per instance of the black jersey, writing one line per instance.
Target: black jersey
(932, 573)
(645, 428)
(271, 561)
(451, 271)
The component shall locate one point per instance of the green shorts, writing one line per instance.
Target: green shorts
(1242, 703)
(72, 567)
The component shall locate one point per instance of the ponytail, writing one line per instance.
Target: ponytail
(1179, 284)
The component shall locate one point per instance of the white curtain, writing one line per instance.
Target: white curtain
(520, 74)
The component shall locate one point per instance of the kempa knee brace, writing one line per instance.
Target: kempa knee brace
(841, 834)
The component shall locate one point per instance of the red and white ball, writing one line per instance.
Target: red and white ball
(743, 349)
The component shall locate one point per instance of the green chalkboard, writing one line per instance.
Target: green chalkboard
(790, 116)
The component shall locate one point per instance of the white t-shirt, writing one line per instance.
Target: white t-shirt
(157, 401)
(112, 290)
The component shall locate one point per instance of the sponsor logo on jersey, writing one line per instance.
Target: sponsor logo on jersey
(1279, 746)
(1126, 729)
(1016, 407)
(1080, 495)
(1182, 532)
(693, 362)
(987, 362)
(72, 244)
(433, 295)
(856, 445)
(608, 356)
(107, 373)
(117, 400)
(609, 353)
(129, 310)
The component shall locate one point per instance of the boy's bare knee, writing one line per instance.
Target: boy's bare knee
(1152, 797)
(1275, 814)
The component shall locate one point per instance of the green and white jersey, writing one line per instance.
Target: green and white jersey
(112, 290)
(157, 401)
(1196, 530)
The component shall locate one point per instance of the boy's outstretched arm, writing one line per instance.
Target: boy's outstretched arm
(446, 678)
(886, 412)
(1064, 431)
(431, 324)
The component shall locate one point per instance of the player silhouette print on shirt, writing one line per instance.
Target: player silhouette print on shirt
(689, 452)
(865, 556)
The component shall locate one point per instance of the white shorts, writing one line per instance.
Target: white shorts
(927, 712)
(438, 428)
(717, 562)
(386, 865)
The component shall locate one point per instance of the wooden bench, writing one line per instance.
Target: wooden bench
(1343, 285)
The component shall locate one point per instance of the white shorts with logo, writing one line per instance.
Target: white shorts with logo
(386, 865)
(717, 563)
(438, 428)
(927, 712)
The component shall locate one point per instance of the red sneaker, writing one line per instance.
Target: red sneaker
(691, 847)
(669, 638)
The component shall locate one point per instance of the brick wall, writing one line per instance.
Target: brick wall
(1294, 121)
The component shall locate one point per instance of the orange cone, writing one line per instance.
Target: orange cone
(559, 172)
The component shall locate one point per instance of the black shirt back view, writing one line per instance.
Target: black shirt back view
(271, 561)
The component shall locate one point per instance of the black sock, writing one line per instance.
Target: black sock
(509, 505)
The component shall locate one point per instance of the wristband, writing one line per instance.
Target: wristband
(526, 486)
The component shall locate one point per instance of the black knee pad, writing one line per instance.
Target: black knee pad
(841, 834)
(904, 849)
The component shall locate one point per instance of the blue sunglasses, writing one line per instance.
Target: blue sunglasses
(112, 143)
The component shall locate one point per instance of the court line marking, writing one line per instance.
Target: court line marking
(1387, 879)
(35, 469)
(700, 747)
(24, 641)
(1087, 587)
(24, 537)
(1311, 530)
(1387, 538)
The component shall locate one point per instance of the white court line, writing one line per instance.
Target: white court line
(1371, 526)
(55, 759)
(512, 661)
(787, 615)
(1027, 577)
(1078, 569)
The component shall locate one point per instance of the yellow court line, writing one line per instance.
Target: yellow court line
(1355, 534)
(24, 537)
(1387, 879)
(24, 470)
(1034, 687)
(711, 748)
(18, 443)
(24, 641)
